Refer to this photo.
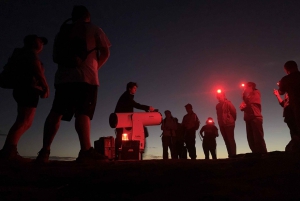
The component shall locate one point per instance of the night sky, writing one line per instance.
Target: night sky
(177, 51)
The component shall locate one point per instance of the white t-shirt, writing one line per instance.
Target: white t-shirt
(88, 71)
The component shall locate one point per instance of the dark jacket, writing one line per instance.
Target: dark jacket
(226, 113)
(126, 104)
(253, 106)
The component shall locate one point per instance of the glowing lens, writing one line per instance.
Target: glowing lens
(124, 137)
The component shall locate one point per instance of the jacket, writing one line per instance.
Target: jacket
(226, 113)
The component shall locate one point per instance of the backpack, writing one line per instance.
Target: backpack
(11, 75)
(69, 50)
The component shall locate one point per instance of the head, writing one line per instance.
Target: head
(35, 42)
(249, 87)
(80, 13)
(188, 107)
(221, 97)
(131, 87)
(210, 121)
(290, 66)
(168, 113)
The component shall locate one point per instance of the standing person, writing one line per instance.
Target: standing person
(126, 104)
(287, 112)
(226, 114)
(209, 143)
(76, 81)
(251, 106)
(180, 148)
(168, 138)
(31, 86)
(190, 123)
(290, 84)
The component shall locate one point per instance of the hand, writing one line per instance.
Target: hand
(151, 109)
(242, 105)
(45, 93)
(276, 93)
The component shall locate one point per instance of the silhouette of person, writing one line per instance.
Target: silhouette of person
(209, 143)
(287, 112)
(180, 147)
(168, 138)
(290, 84)
(126, 104)
(190, 123)
(251, 106)
(226, 114)
(31, 86)
(76, 86)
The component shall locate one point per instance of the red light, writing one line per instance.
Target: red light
(219, 91)
(124, 137)
(243, 85)
(210, 121)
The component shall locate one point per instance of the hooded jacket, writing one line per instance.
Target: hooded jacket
(226, 113)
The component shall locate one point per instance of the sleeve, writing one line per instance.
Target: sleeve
(102, 39)
(282, 103)
(139, 106)
(232, 110)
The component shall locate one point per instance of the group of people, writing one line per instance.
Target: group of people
(80, 50)
(76, 84)
(174, 134)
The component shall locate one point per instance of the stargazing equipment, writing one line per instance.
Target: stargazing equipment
(133, 137)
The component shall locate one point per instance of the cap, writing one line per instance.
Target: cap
(251, 84)
(29, 39)
(79, 12)
(188, 105)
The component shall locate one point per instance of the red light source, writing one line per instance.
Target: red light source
(243, 85)
(219, 91)
(124, 137)
(210, 121)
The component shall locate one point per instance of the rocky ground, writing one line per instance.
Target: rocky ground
(272, 177)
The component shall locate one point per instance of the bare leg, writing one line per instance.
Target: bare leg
(82, 126)
(50, 129)
(22, 124)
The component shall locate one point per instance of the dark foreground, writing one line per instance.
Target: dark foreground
(274, 177)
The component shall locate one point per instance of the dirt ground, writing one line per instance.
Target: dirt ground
(272, 177)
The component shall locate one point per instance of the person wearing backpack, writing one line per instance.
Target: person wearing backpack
(29, 86)
(190, 123)
(80, 50)
(209, 143)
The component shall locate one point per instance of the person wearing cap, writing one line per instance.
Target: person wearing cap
(126, 104)
(168, 138)
(226, 114)
(31, 86)
(190, 123)
(290, 84)
(251, 106)
(209, 143)
(76, 84)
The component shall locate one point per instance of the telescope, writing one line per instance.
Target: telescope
(133, 126)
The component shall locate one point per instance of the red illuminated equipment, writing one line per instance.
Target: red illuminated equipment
(106, 146)
(133, 137)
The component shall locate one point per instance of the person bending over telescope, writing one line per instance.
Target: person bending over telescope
(126, 104)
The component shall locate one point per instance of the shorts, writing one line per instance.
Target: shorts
(27, 97)
(75, 98)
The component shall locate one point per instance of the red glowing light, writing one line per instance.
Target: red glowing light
(219, 91)
(124, 137)
(243, 85)
(210, 121)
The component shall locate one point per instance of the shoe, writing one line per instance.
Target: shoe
(90, 155)
(43, 156)
(9, 153)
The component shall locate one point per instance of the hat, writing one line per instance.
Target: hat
(252, 85)
(29, 39)
(189, 105)
(79, 12)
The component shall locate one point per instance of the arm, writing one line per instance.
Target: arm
(276, 93)
(201, 132)
(232, 110)
(39, 74)
(104, 54)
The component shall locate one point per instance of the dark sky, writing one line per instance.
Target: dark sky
(177, 51)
